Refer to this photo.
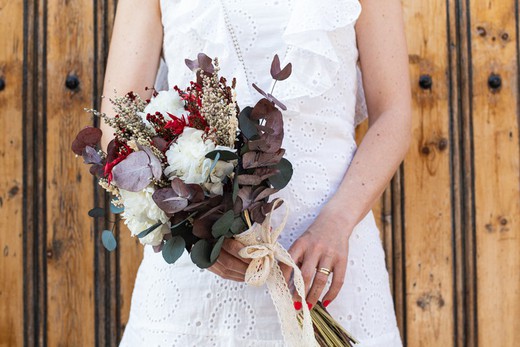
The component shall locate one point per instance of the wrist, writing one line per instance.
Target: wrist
(340, 215)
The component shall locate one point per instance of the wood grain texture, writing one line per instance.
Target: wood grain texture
(11, 174)
(130, 255)
(497, 171)
(427, 209)
(70, 275)
(449, 220)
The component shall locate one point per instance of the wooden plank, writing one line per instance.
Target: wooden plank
(11, 174)
(70, 282)
(130, 255)
(462, 175)
(497, 171)
(427, 208)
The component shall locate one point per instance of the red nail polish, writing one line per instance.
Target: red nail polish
(326, 303)
(297, 305)
(309, 305)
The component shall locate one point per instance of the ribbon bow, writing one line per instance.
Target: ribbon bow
(266, 252)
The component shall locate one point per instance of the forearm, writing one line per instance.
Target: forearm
(134, 54)
(375, 162)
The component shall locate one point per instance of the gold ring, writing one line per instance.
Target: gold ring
(325, 271)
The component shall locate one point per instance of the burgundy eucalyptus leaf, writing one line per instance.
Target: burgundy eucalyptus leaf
(193, 65)
(245, 195)
(277, 73)
(265, 194)
(214, 210)
(249, 180)
(97, 170)
(259, 90)
(155, 163)
(265, 208)
(111, 151)
(255, 159)
(133, 173)
(275, 66)
(160, 143)
(196, 206)
(202, 227)
(205, 63)
(266, 172)
(168, 201)
(91, 156)
(88, 136)
(180, 188)
(263, 108)
(271, 98)
(258, 145)
(202, 62)
(196, 193)
(265, 129)
(256, 215)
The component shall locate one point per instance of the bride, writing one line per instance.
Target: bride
(331, 232)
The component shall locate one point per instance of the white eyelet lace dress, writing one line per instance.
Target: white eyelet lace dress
(182, 305)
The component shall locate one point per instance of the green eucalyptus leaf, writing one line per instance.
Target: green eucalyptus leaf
(96, 212)
(108, 240)
(247, 126)
(149, 230)
(116, 210)
(224, 155)
(238, 226)
(215, 252)
(173, 249)
(201, 253)
(222, 225)
(281, 179)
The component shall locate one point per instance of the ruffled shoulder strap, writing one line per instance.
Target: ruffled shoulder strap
(310, 47)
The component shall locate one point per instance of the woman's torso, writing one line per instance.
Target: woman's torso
(318, 38)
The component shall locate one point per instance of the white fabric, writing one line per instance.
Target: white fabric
(181, 305)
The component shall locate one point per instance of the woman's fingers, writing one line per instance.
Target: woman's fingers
(308, 270)
(233, 246)
(320, 280)
(219, 270)
(229, 267)
(338, 278)
(232, 263)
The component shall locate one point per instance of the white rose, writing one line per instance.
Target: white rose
(166, 101)
(141, 212)
(222, 170)
(187, 160)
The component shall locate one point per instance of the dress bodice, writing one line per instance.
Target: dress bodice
(323, 94)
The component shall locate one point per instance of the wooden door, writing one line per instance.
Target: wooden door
(449, 220)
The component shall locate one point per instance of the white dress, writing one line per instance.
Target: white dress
(182, 305)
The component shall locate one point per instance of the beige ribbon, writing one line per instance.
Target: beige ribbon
(264, 250)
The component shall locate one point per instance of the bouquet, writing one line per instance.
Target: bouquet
(189, 168)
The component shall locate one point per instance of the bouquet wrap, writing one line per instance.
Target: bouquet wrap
(265, 251)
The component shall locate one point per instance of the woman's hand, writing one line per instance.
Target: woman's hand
(230, 265)
(323, 245)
